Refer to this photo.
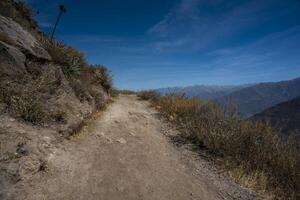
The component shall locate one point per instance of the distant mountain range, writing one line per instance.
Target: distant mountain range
(206, 92)
(284, 116)
(249, 99)
(255, 99)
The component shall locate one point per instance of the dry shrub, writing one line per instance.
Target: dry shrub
(254, 153)
(99, 101)
(89, 85)
(59, 116)
(23, 102)
(27, 99)
(148, 95)
(98, 97)
(126, 92)
(82, 77)
(71, 60)
(80, 89)
(114, 92)
(102, 76)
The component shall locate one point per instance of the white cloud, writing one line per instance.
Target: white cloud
(201, 24)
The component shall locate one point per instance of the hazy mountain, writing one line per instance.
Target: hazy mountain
(256, 98)
(284, 116)
(202, 91)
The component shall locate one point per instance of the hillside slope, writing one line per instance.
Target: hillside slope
(256, 98)
(125, 154)
(47, 90)
(284, 116)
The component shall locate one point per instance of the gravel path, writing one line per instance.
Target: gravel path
(126, 154)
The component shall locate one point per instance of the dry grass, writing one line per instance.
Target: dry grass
(26, 99)
(148, 95)
(83, 78)
(102, 76)
(252, 152)
(71, 60)
(126, 92)
(22, 102)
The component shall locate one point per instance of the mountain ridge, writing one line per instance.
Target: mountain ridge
(207, 92)
(284, 116)
(254, 99)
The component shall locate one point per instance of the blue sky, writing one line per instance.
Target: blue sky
(159, 43)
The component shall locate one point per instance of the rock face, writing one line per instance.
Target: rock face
(22, 38)
(11, 61)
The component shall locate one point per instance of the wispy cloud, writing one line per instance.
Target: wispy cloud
(199, 24)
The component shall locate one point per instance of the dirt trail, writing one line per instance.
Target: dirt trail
(124, 154)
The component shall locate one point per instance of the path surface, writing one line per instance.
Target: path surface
(124, 155)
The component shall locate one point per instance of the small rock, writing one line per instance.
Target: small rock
(122, 141)
(22, 150)
(131, 133)
(120, 188)
(108, 139)
(101, 134)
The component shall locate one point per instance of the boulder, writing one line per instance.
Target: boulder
(12, 61)
(22, 39)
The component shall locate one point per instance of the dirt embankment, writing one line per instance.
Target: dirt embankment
(47, 89)
(125, 153)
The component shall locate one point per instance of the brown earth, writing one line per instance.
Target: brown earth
(126, 153)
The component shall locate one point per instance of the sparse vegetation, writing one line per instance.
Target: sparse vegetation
(85, 86)
(24, 98)
(23, 102)
(59, 116)
(102, 76)
(148, 95)
(126, 92)
(251, 151)
(71, 60)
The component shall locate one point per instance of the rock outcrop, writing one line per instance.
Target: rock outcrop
(12, 61)
(22, 38)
